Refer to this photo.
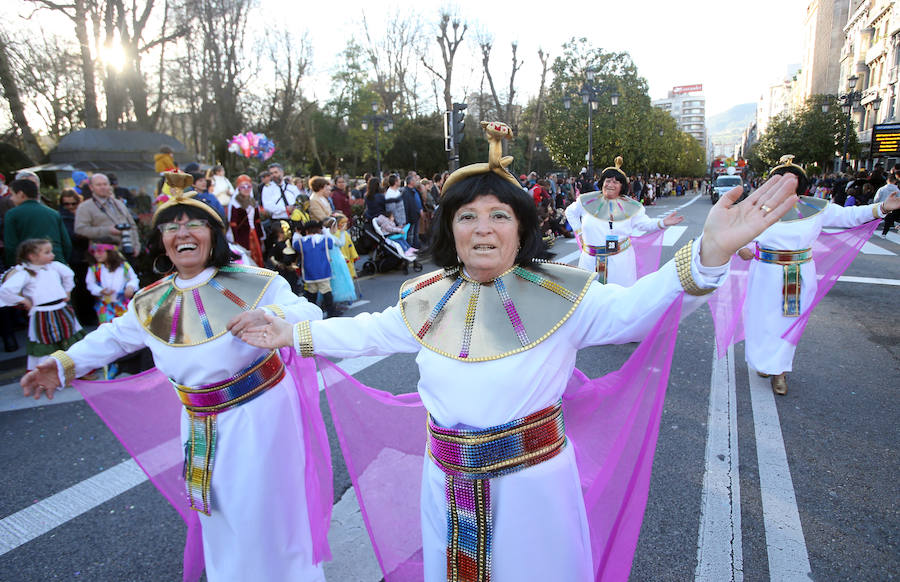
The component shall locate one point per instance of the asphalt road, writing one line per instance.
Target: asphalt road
(726, 503)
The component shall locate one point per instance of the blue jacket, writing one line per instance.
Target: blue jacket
(313, 248)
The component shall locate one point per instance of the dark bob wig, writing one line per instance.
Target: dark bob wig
(221, 253)
(467, 190)
(802, 180)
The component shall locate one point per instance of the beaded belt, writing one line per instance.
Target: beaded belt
(203, 403)
(601, 254)
(470, 459)
(790, 262)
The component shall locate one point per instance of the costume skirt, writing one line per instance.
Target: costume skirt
(49, 331)
(341, 281)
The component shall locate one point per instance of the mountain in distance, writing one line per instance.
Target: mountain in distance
(731, 122)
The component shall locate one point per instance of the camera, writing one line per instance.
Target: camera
(127, 241)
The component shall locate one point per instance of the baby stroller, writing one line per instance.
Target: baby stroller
(387, 254)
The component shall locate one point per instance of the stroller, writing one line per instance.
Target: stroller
(387, 254)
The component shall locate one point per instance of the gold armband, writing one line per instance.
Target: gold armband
(276, 309)
(67, 363)
(875, 210)
(305, 340)
(683, 259)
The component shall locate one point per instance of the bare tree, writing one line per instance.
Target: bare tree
(390, 52)
(11, 92)
(485, 42)
(449, 42)
(532, 134)
(510, 96)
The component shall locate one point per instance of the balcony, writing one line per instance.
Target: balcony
(892, 75)
(868, 95)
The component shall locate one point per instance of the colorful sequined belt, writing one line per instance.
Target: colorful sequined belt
(602, 252)
(203, 403)
(470, 459)
(792, 280)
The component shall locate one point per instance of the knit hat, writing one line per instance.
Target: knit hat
(78, 177)
(242, 179)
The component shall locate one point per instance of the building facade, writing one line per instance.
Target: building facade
(688, 106)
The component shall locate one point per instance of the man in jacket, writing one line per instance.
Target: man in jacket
(104, 218)
(31, 219)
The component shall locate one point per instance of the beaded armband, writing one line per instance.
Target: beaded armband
(683, 259)
(276, 309)
(878, 210)
(304, 339)
(67, 364)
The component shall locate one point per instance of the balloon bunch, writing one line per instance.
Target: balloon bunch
(252, 145)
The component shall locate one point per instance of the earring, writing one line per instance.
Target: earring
(158, 270)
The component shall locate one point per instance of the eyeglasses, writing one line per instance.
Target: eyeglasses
(244, 187)
(193, 225)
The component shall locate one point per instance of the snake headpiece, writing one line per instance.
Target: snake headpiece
(495, 132)
(615, 172)
(786, 165)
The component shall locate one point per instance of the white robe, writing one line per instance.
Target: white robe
(259, 524)
(540, 524)
(621, 268)
(764, 319)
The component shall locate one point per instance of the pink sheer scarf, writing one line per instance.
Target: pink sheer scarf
(832, 254)
(647, 252)
(612, 423)
(145, 415)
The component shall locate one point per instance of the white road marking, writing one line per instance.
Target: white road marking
(11, 398)
(868, 248)
(354, 558)
(719, 544)
(785, 544)
(352, 366)
(672, 234)
(869, 280)
(35, 520)
(358, 303)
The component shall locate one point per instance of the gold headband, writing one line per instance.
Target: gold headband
(616, 169)
(787, 163)
(495, 132)
(177, 182)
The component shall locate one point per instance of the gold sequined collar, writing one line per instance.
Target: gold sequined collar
(806, 207)
(463, 319)
(599, 206)
(198, 314)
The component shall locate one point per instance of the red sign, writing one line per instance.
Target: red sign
(681, 90)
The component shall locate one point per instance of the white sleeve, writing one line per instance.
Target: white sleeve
(109, 342)
(849, 216)
(574, 212)
(90, 280)
(367, 334)
(644, 223)
(612, 314)
(132, 278)
(11, 290)
(279, 296)
(66, 275)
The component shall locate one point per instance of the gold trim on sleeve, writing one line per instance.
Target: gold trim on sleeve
(305, 340)
(67, 363)
(276, 309)
(683, 259)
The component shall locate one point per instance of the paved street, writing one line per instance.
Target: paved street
(746, 486)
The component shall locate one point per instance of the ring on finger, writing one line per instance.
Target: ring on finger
(766, 209)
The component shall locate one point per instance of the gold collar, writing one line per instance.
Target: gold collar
(195, 315)
(457, 317)
(807, 207)
(599, 206)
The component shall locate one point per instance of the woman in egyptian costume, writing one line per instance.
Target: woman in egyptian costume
(244, 421)
(784, 279)
(606, 224)
(495, 333)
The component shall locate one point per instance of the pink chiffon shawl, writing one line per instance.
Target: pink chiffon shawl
(145, 415)
(832, 254)
(647, 251)
(612, 422)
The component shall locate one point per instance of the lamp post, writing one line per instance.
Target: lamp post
(847, 101)
(375, 120)
(590, 96)
(876, 105)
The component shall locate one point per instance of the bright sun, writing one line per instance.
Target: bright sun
(113, 55)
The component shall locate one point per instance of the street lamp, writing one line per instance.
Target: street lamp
(848, 100)
(386, 123)
(590, 96)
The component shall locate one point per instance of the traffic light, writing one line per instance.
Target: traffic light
(448, 131)
(459, 122)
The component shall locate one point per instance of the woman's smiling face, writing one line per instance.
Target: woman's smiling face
(188, 244)
(486, 233)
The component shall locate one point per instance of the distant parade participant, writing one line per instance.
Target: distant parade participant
(111, 280)
(783, 282)
(245, 419)
(604, 223)
(42, 286)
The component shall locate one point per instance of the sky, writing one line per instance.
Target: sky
(734, 49)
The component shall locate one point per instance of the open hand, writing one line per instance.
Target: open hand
(730, 226)
(672, 219)
(892, 202)
(44, 379)
(243, 321)
(273, 334)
